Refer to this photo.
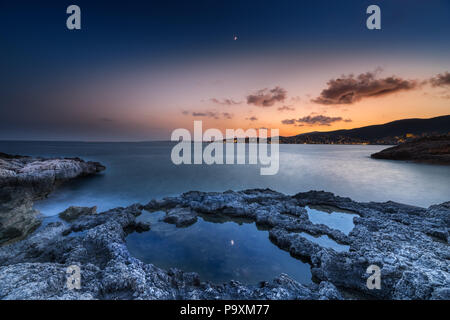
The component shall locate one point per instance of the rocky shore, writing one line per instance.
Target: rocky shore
(409, 244)
(428, 149)
(24, 180)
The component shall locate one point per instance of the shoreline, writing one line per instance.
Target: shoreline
(96, 242)
(24, 180)
(408, 243)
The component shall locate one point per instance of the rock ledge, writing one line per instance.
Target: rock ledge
(409, 244)
(24, 180)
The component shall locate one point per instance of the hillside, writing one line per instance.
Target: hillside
(389, 133)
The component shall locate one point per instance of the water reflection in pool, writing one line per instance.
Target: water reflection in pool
(217, 250)
(326, 242)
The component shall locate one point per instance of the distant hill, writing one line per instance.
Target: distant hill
(389, 133)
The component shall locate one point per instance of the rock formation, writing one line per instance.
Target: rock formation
(428, 149)
(409, 244)
(24, 180)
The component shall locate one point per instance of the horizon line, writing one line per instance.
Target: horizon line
(158, 140)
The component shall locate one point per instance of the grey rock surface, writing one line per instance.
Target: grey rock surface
(181, 217)
(74, 212)
(35, 268)
(409, 244)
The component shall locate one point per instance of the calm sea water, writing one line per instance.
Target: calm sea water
(139, 172)
(224, 250)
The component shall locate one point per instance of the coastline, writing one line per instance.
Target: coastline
(408, 243)
(433, 150)
(24, 180)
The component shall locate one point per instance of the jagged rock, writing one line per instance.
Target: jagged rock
(73, 213)
(402, 240)
(395, 237)
(35, 268)
(142, 226)
(24, 180)
(181, 217)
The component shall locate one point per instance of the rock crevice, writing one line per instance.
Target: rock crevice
(24, 180)
(409, 244)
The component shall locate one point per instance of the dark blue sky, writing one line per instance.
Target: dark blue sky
(38, 52)
(113, 29)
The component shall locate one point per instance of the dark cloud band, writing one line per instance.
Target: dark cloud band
(350, 89)
(208, 114)
(225, 102)
(267, 97)
(320, 120)
(286, 108)
(441, 80)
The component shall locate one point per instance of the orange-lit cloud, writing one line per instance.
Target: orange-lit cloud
(350, 89)
(441, 80)
(266, 97)
(209, 114)
(225, 102)
(319, 120)
(286, 108)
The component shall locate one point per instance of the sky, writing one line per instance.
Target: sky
(137, 70)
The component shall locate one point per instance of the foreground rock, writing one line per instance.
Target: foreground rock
(429, 149)
(181, 217)
(24, 180)
(35, 268)
(73, 213)
(409, 244)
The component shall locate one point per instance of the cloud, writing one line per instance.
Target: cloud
(253, 118)
(319, 120)
(288, 121)
(441, 80)
(286, 108)
(225, 102)
(296, 99)
(209, 114)
(267, 97)
(350, 89)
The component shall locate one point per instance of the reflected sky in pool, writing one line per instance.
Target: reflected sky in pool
(219, 251)
(332, 217)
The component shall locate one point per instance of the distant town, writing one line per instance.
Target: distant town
(391, 133)
(331, 139)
